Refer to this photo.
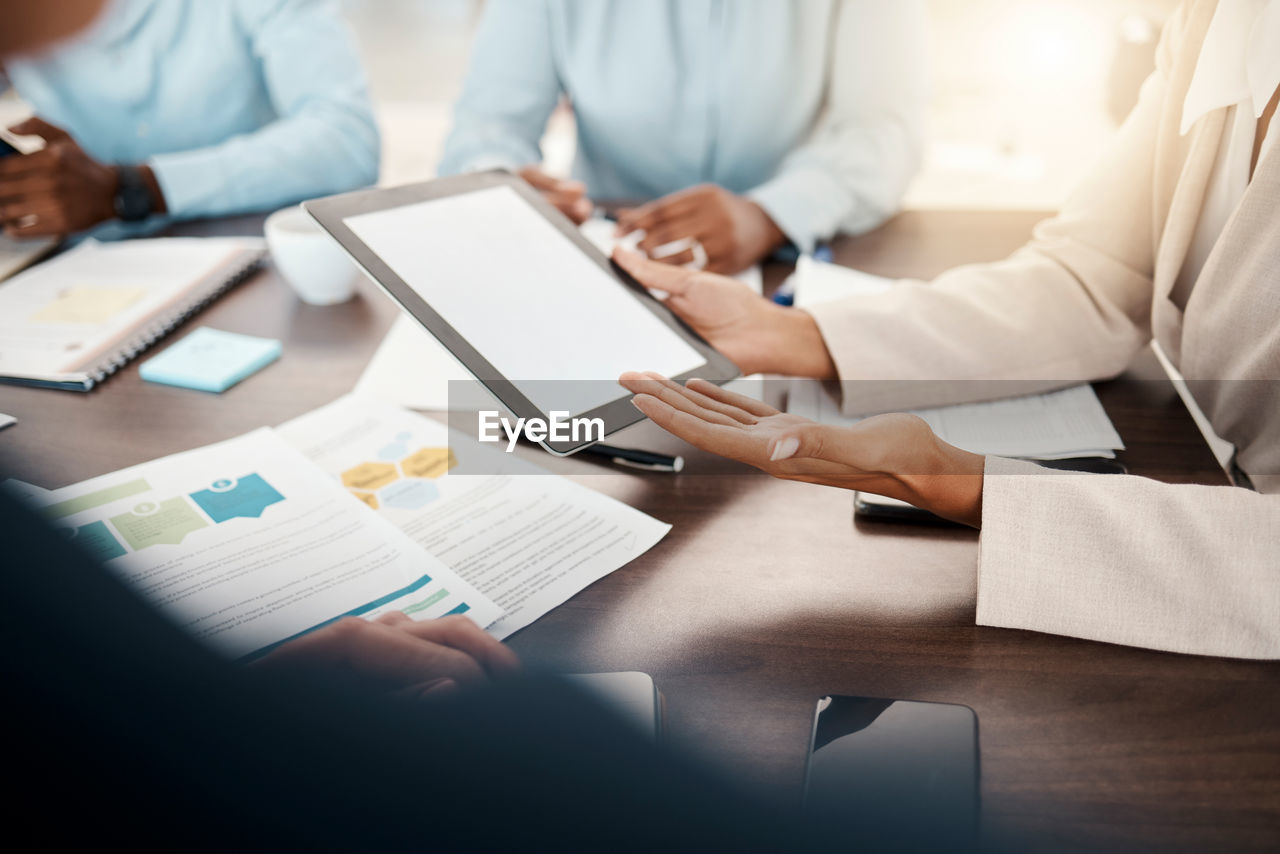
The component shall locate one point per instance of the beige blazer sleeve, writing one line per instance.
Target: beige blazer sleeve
(1072, 306)
(1129, 560)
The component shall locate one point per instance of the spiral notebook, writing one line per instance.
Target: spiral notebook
(74, 320)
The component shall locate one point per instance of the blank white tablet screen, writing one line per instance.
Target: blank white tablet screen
(524, 295)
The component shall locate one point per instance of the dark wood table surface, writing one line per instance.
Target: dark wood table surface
(768, 595)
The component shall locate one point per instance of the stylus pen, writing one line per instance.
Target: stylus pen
(634, 459)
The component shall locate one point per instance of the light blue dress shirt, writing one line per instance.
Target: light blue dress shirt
(814, 108)
(238, 105)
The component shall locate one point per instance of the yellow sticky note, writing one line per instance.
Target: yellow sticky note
(88, 305)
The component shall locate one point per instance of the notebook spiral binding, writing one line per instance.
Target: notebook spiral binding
(148, 336)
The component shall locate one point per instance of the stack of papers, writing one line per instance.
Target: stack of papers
(351, 510)
(1058, 425)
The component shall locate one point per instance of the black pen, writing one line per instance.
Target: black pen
(634, 459)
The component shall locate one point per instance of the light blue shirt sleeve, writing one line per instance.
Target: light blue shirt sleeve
(325, 139)
(813, 108)
(851, 175)
(510, 92)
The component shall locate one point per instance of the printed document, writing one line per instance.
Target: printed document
(525, 538)
(1058, 425)
(245, 544)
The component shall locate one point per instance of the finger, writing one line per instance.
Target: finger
(721, 250)
(732, 442)
(42, 218)
(654, 274)
(561, 199)
(463, 634)
(574, 206)
(581, 210)
(36, 126)
(43, 161)
(750, 404)
(734, 411)
(654, 215)
(676, 205)
(874, 446)
(542, 181)
(665, 241)
(394, 618)
(393, 656)
(433, 690)
(674, 395)
(679, 259)
(29, 187)
(630, 220)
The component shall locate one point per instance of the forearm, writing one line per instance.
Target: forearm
(949, 484)
(509, 94)
(793, 346)
(313, 154)
(1130, 560)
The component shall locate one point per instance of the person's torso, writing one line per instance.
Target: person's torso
(152, 77)
(671, 93)
(1223, 331)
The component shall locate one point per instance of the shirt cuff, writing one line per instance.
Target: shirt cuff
(188, 180)
(1009, 590)
(804, 204)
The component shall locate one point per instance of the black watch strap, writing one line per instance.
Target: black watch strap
(133, 202)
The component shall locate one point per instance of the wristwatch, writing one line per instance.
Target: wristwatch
(133, 201)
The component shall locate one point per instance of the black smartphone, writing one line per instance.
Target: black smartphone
(867, 505)
(894, 774)
(6, 149)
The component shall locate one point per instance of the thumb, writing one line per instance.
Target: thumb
(814, 442)
(36, 126)
(429, 690)
(653, 274)
(895, 443)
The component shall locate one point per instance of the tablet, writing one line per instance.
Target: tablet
(532, 309)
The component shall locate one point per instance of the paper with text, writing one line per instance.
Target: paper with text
(525, 538)
(246, 544)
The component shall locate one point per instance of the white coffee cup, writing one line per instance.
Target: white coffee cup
(311, 261)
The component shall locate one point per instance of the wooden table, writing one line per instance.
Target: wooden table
(767, 595)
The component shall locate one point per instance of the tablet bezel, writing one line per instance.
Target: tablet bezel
(332, 212)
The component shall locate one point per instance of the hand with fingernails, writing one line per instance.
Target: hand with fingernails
(756, 334)
(894, 455)
(60, 189)
(398, 655)
(705, 226)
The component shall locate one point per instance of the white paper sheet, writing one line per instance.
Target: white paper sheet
(411, 369)
(27, 491)
(1058, 425)
(525, 538)
(245, 544)
(818, 282)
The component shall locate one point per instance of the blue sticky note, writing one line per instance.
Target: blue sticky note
(210, 360)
